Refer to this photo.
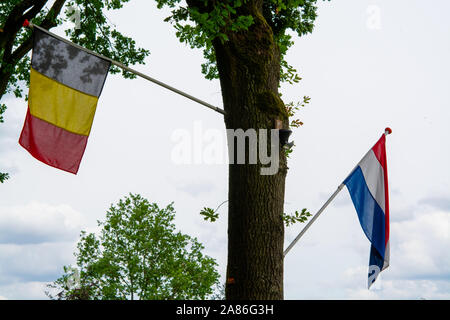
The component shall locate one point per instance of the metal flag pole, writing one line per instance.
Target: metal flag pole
(124, 67)
(313, 219)
(341, 186)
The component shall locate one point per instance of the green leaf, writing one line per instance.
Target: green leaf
(209, 214)
(302, 217)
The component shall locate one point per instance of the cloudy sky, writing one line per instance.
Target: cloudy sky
(367, 65)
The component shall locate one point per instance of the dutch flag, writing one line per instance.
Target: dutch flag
(368, 188)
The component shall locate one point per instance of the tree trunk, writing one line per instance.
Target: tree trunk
(249, 69)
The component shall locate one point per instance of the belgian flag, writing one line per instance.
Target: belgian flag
(65, 85)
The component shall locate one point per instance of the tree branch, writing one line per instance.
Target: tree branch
(12, 26)
(14, 21)
(55, 10)
(48, 23)
(12, 58)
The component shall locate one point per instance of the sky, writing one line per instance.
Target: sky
(366, 66)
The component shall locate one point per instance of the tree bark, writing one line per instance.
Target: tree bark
(249, 69)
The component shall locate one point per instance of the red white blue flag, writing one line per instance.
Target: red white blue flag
(368, 188)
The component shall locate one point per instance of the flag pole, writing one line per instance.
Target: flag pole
(124, 67)
(341, 186)
(313, 219)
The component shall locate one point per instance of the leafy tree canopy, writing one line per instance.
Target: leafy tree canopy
(203, 21)
(138, 255)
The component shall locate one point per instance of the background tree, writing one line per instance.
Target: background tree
(245, 43)
(95, 32)
(138, 256)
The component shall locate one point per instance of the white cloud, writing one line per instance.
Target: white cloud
(32, 290)
(361, 294)
(420, 245)
(420, 263)
(36, 241)
(404, 289)
(442, 203)
(34, 262)
(38, 222)
(196, 188)
(331, 261)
